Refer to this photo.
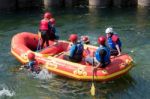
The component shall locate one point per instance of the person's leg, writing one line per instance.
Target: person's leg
(43, 41)
(66, 57)
(113, 52)
(44, 38)
(47, 39)
(47, 43)
(89, 60)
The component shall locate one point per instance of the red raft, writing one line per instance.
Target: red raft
(51, 58)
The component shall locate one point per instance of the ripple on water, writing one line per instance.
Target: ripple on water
(44, 75)
(4, 91)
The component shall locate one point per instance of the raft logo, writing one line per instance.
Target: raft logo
(52, 64)
(80, 71)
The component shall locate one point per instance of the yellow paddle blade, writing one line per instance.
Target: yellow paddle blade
(92, 90)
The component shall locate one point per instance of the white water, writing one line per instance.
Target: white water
(6, 92)
(44, 75)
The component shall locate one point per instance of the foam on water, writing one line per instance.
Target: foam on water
(44, 75)
(6, 92)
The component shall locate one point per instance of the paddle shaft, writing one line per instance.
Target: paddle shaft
(93, 69)
(93, 87)
(39, 45)
(39, 40)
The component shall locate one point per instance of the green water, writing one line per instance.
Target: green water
(133, 27)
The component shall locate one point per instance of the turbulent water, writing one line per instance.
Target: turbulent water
(133, 27)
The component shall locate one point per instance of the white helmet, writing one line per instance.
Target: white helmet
(109, 30)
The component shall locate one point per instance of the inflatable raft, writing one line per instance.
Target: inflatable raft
(51, 58)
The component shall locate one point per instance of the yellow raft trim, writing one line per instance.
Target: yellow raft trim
(90, 77)
(25, 60)
(18, 57)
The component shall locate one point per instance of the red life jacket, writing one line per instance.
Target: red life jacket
(114, 38)
(44, 25)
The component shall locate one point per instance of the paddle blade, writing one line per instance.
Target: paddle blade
(92, 90)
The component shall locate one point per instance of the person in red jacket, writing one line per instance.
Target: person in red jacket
(44, 28)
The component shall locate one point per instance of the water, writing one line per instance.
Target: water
(133, 27)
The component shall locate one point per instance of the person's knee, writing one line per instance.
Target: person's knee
(89, 60)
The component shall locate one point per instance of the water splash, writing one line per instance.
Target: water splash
(44, 75)
(6, 92)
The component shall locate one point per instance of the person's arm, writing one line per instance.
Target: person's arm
(49, 25)
(101, 62)
(54, 30)
(118, 49)
(98, 65)
(26, 65)
(72, 50)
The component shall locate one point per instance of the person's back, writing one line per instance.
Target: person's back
(102, 55)
(113, 40)
(76, 50)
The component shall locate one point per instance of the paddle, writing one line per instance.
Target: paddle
(39, 40)
(93, 86)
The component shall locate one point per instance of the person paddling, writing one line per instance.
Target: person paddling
(101, 56)
(113, 42)
(44, 28)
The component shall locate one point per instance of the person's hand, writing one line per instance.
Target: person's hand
(55, 43)
(66, 53)
(95, 68)
(20, 68)
(119, 54)
(112, 56)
